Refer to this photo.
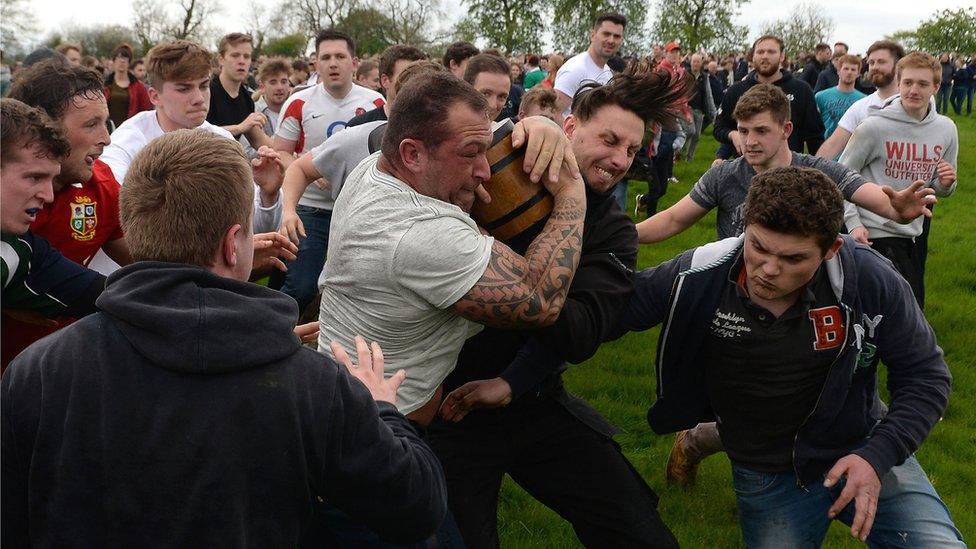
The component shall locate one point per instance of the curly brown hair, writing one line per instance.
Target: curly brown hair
(796, 201)
(23, 126)
(52, 84)
(763, 98)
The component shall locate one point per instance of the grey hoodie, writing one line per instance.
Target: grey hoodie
(892, 148)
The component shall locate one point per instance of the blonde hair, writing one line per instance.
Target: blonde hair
(920, 60)
(182, 193)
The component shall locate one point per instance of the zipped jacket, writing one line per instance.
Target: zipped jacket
(882, 322)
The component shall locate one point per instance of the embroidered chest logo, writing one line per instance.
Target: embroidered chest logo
(729, 325)
(865, 355)
(83, 219)
(828, 326)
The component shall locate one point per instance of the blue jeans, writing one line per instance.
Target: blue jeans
(942, 98)
(620, 193)
(301, 280)
(775, 512)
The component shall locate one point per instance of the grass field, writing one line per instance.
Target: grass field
(619, 382)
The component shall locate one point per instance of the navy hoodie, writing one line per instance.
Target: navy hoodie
(188, 413)
(882, 321)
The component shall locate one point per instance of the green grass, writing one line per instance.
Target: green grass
(619, 382)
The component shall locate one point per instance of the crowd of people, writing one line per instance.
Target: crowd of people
(245, 301)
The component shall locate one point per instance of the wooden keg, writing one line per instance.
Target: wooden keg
(516, 202)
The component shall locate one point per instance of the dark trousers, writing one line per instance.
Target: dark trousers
(905, 256)
(562, 462)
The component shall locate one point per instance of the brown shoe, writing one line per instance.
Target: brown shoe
(681, 469)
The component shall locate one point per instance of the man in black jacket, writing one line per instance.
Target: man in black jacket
(187, 412)
(767, 58)
(508, 412)
(817, 63)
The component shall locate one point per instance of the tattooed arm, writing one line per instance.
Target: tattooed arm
(526, 292)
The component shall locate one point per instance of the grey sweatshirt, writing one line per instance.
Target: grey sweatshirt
(892, 148)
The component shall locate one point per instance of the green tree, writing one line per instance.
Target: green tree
(805, 27)
(511, 25)
(369, 28)
(708, 24)
(946, 31)
(573, 21)
(289, 45)
(100, 40)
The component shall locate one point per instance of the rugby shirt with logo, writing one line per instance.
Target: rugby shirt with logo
(82, 218)
(312, 115)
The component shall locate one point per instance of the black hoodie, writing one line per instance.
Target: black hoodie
(807, 125)
(188, 413)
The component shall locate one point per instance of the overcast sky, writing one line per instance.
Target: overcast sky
(858, 22)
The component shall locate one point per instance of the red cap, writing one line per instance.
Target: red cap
(672, 46)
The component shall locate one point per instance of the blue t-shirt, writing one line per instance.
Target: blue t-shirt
(832, 104)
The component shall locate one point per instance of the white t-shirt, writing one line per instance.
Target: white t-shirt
(398, 260)
(137, 132)
(578, 70)
(312, 115)
(859, 110)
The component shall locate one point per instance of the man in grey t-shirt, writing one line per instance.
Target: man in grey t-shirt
(407, 266)
(763, 117)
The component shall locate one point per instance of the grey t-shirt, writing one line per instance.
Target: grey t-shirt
(336, 157)
(398, 260)
(725, 187)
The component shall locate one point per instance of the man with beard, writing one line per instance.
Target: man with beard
(767, 58)
(883, 56)
(903, 142)
(508, 412)
(591, 65)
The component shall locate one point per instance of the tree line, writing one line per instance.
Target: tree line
(510, 25)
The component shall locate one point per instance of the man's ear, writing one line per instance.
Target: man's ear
(228, 247)
(413, 155)
(832, 250)
(788, 129)
(569, 126)
(386, 83)
(153, 95)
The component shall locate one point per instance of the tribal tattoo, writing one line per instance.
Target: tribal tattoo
(525, 292)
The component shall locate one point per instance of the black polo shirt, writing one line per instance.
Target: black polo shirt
(375, 115)
(226, 110)
(764, 374)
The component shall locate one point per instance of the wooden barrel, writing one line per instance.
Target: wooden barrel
(516, 202)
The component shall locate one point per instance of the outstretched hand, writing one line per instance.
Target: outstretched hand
(271, 250)
(483, 393)
(910, 202)
(369, 369)
(269, 173)
(863, 486)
